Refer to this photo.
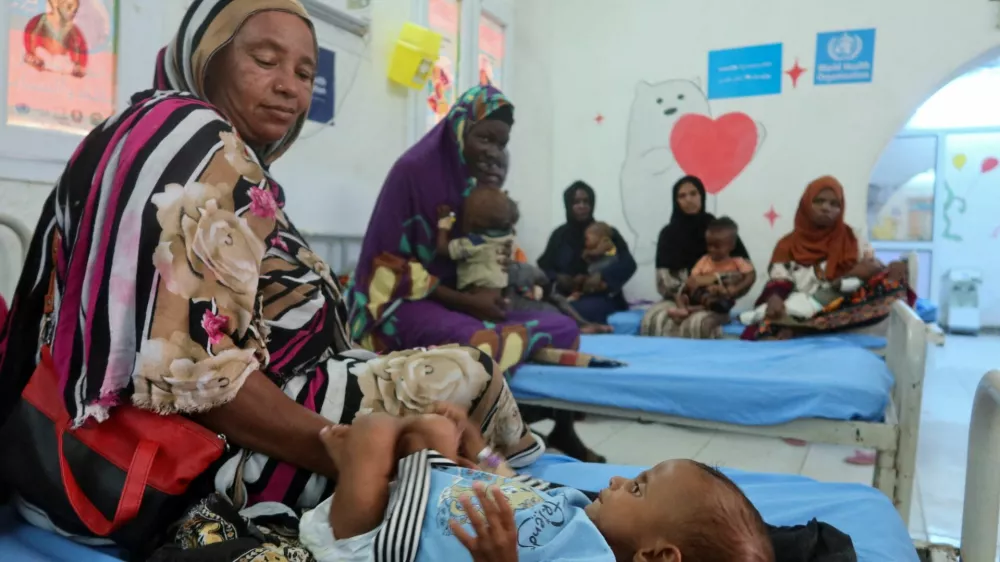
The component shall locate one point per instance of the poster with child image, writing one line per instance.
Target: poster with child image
(61, 61)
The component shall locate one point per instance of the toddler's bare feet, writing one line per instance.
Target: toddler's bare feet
(596, 329)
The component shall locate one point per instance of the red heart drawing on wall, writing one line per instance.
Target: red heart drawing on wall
(715, 150)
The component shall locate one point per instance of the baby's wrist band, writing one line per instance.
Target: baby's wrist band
(489, 459)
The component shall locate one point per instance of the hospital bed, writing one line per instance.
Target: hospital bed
(629, 322)
(877, 531)
(817, 391)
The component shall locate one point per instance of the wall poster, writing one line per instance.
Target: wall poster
(61, 63)
(441, 88)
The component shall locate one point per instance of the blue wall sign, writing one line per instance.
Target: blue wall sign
(324, 87)
(844, 57)
(746, 71)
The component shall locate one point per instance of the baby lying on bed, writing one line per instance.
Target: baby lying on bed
(425, 510)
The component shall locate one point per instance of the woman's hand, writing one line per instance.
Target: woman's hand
(496, 533)
(866, 269)
(486, 305)
(775, 308)
(506, 255)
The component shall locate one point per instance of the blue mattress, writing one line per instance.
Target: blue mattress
(24, 543)
(864, 513)
(926, 310)
(744, 383)
(628, 322)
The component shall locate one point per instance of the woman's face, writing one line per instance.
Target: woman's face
(263, 80)
(582, 208)
(484, 152)
(689, 199)
(826, 208)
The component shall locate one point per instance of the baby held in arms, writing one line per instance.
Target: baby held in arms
(484, 247)
(718, 278)
(428, 488)
(600, 253)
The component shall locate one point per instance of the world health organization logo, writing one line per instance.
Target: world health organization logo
(845, 47)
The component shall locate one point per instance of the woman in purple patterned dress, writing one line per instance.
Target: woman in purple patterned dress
(403, 295)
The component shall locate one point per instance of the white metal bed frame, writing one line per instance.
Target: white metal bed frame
(894, 440)
(981, 511)
(23, 234)
(340, 252)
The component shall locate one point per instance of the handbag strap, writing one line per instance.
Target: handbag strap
(130, 501)
(136, 476)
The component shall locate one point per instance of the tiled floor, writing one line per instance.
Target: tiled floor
(952, 376)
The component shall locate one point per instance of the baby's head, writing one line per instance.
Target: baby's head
(596, 233)
(720, 238)
(515, 212)
(487, 210)
(680, 511)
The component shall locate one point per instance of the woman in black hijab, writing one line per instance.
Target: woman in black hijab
(680, 246)
(563, 259)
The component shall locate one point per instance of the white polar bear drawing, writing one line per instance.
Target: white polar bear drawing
(650, 169)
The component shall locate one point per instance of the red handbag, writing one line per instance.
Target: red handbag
(125, 478)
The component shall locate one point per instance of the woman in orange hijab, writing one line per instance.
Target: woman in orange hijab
(823, 276)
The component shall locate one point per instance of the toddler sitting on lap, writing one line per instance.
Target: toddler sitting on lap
(439, 504)
(600, 253)
(484, 248)
(718, 278)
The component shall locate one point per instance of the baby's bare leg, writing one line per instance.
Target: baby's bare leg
(366, 457)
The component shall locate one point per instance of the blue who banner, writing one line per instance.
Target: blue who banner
(844, 57)
(746, 71)
(324, 87)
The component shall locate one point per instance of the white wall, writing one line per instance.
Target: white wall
(333, 175)
(597, 53)
(531, 171)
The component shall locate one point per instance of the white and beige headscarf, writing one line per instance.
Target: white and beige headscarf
(207, 27)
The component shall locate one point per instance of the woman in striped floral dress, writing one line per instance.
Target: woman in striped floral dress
(183, 287)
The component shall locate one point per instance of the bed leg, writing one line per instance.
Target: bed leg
(982, 485)
(885, 474)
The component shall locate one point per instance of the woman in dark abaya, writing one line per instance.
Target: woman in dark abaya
(681, 245)
(563, 260)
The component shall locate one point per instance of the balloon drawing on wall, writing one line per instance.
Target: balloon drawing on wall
(953, 200)
(673, 133)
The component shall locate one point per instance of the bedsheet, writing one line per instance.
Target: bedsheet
(628, 322)
(732, 381)
(24, 543)
(862, 512)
